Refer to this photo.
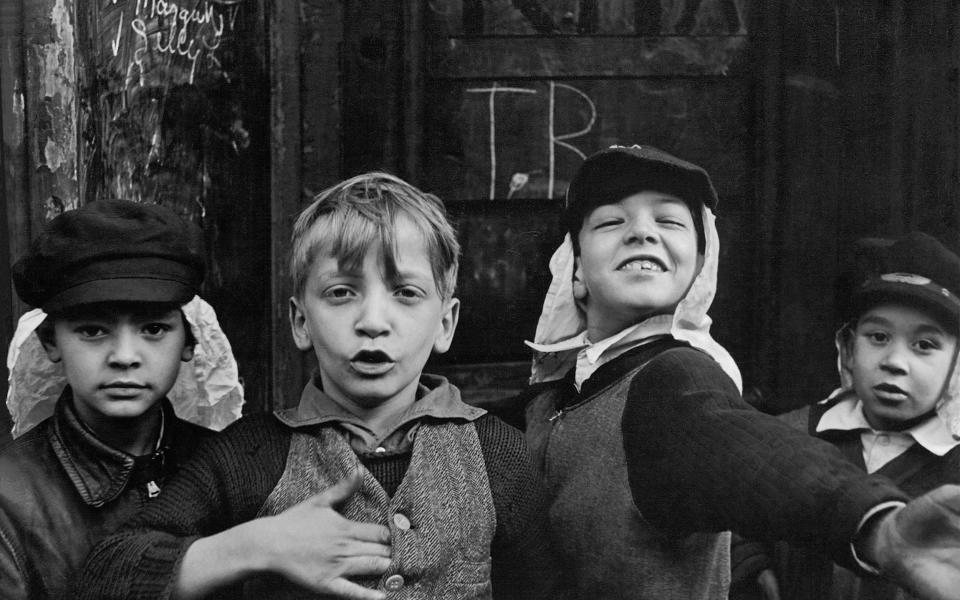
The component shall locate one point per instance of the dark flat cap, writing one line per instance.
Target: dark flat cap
(112, 250)
(611, 175)
(917, 270)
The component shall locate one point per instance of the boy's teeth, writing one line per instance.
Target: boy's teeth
(643, 265)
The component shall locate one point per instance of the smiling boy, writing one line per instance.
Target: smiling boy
(436, 498)
(111, 277)
(635, 415)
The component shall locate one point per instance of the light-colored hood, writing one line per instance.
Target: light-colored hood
(207, 391)
(561, 318)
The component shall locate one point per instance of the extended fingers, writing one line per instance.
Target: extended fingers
(351, 591)
(369, 532)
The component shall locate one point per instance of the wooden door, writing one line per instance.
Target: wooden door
(514, 95)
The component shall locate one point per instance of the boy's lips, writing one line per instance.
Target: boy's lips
(888, 391)
(371, 362)
(123, 389)
(123, 385)
(643, 262)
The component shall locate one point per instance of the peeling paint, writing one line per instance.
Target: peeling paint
(53, 153)
(15, 131)
(57, 80)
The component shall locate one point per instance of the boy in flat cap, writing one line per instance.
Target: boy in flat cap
(109, 280)
(636, 420)
(897, 410)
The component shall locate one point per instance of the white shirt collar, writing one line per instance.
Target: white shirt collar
(590, 356)
(847, 415)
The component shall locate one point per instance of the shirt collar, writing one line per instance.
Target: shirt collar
(590, 356)
(436, 398)
(847, 415)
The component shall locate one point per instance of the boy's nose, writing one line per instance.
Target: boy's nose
(641, 231)
(373, 320)
(894, 360)
(125, 352)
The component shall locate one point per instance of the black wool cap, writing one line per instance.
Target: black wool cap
(611, 175)
(916, 270)
(109, 251)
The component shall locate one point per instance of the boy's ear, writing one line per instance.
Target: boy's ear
(845, 349)
(49, 343)
(298, 325)
(187, 354)
(448, 326)
(579, 287)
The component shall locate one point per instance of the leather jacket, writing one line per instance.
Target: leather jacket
(61, 489)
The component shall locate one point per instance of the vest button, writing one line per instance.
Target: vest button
(394, 582)
(401, 521)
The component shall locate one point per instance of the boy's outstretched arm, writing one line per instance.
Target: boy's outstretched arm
(310, 544)
(918, 545)
(699, 458)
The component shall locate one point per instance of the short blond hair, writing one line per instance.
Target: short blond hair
(347, 219)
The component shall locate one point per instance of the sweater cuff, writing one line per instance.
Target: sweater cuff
(876, 511)
(158, 567)
(860, 499)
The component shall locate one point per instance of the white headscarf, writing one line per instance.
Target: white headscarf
(207, 391)
(561, 318)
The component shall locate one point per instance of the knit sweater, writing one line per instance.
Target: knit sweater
(699, 458)
(615, 553)
(231, 477)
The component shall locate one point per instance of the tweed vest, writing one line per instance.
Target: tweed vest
(611, 551)
(441, 518)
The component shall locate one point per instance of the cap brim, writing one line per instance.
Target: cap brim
(944, 305)
(132, 289)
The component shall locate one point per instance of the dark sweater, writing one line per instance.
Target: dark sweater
(808, 574)
(699, 458)
(230, 478)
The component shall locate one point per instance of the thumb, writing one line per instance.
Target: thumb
(340, 491)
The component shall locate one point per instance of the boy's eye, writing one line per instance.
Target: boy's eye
(609, 222)
(340, 292)
(90, 331)
(672, 221)
(927, 345)
(877, 337)
(156, 329)
(409, 293)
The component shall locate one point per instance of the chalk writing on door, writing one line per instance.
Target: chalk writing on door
(560, 97)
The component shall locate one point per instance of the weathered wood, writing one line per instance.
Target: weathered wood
(13, 159)
(287, 366)
(512, 139)
(373, 87)
(511, 114)
(567, 57)
(590, 17)
(172, 113)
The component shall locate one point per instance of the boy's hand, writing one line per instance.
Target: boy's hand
(918, 545)
(316, 547)
(311, 544)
